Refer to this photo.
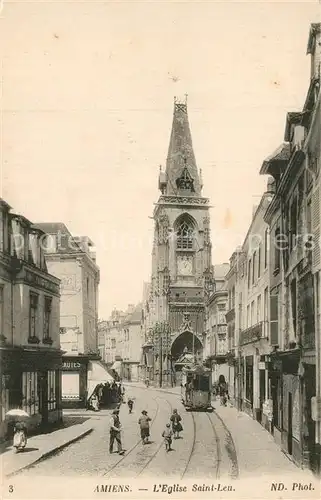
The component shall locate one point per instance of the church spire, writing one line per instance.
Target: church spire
(181, 174)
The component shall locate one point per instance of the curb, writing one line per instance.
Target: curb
(48, 454)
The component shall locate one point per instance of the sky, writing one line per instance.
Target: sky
(86, 112)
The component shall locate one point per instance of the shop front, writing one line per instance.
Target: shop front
(74, 381)
(31, 380)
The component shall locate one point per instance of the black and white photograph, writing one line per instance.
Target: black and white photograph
(160, 249)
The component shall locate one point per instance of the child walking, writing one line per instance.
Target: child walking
(167, 435)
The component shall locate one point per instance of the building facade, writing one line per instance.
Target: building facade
(182, 273)
(71, 260)
(31, 358)
(123, 342)
(294, 220)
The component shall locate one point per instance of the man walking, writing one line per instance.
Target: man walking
(114, 433)
(144, 426)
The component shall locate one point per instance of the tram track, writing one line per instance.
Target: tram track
(135, 445)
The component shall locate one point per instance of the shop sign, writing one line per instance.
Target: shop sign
(39, 282)
(316, 408)
(261, 365)
(71, 365)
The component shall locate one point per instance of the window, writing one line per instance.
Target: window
(274, 318)
(266, 247)
(249, 274)
(294, 305)
(254, 267)
(30, 400)
(252, 313)
(52, 403)
(259, 262)
(258, 309)
(294, 223)
(185, 237)
(277, 255)
(248, 316)
(113, 343)
(1, 310)
(249, 379)
(240, 311)
(309, 217)
(87, 287)
(47, 316)
(33, 310)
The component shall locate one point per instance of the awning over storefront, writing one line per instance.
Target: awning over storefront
(97, 374)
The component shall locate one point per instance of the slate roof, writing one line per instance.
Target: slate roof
(66, 242)
(180, 150)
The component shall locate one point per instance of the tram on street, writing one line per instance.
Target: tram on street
(196, 388)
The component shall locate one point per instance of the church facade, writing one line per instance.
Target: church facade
(182, 272)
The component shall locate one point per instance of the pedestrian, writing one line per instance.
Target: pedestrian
(130, 404)
(94, 402)
(167, 435)
(144, 426)
(176, 424)
(114, 433)
(20, 436)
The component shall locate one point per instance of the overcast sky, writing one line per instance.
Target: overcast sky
(87, 103)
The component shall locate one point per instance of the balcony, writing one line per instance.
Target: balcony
(252, 334)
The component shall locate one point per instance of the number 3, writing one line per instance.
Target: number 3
(10, 488)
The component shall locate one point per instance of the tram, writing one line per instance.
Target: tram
(196, 388)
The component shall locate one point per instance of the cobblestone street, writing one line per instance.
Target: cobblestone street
(218, 445)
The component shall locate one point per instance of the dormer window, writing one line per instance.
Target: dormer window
(185, 182)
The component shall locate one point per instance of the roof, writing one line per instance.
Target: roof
(180, 152)
(135, 316)
(220, 271)
(67, 243)
(314, 30)
(282, 153)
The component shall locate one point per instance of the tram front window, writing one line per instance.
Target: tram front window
(204, 384)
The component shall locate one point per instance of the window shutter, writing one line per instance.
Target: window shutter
(274, 320)
(316, 229)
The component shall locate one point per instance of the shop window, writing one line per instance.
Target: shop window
(30, 401)
(47, 317)
(249, 379)
(52, 401)
(33, 313)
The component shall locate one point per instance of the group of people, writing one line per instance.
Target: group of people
(221, 389)
(172, 429)
(106, 394)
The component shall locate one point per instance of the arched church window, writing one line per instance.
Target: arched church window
(185, 236)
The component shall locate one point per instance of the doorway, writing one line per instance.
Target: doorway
(290, 412)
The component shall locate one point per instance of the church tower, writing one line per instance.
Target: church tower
(182, 273)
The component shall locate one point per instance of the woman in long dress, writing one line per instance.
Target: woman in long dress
(176, 424)
(20, 436)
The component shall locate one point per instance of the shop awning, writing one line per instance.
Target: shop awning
(97, 374)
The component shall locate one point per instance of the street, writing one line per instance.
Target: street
(206, 448)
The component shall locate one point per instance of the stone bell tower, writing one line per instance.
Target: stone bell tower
(182, 273)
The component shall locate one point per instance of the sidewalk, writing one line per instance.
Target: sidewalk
(42, 446)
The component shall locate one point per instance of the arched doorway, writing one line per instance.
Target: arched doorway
(183, 349)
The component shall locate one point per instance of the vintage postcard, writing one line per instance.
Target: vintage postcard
(160, 259)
